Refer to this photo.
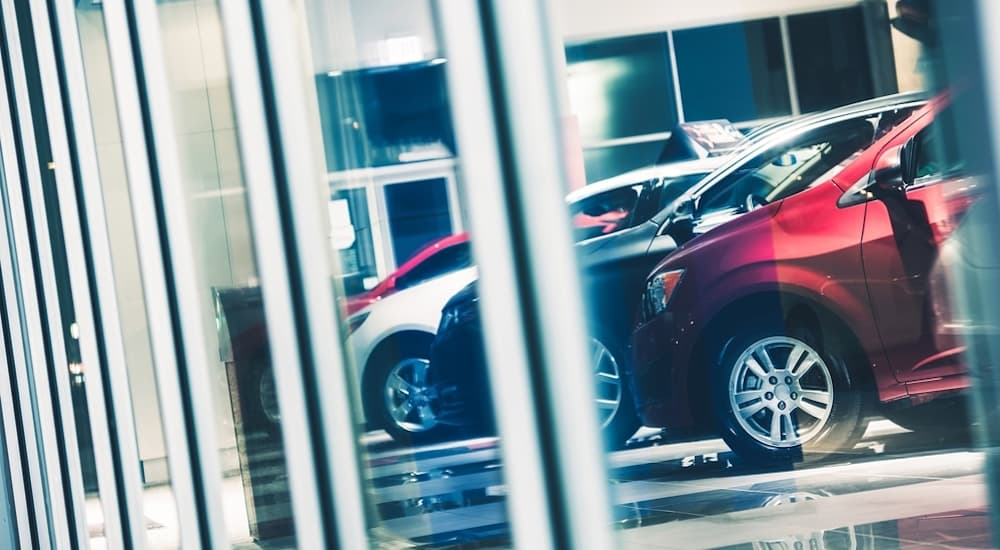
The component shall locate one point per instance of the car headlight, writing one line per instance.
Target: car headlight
(660, 287)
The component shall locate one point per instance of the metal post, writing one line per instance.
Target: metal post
(275, 280)
(301, 193)
(56, 433)
(116, 456)
(177, 342)
(24, 481)
(504, 105)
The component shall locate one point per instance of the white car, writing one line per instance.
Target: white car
(391, 342)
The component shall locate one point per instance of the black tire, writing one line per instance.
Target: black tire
(942, 421)
(624, 420)
(845, 412)
(263, 412)
(402, 353)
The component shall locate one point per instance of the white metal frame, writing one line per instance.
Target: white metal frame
(117, 459)
(14, 394)
(301, 191)
(519, 224)
(260, 176)
(197, 483)
(64, 497)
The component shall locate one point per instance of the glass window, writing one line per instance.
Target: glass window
(607, 212)
(621, 87)
(670, 189)
(833, 65)
(445, 261)
(788, 169)
(418, 215)
(734, 71)
(606, 162)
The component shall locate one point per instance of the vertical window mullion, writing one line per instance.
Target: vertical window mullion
(326, 376)
(194, 470)
(112, 457)
(786, 47)
(57, 428)
(256, 153)
(20, 437)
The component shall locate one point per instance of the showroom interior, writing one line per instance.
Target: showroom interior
(499, 274)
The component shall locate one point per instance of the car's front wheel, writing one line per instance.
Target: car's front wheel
(615, 409)
(780, 396)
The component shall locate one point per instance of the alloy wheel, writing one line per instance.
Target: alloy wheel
(781, 391)
(411, 401)
(607, 382)
(268, 395)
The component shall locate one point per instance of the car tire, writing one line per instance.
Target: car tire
(404, 396)
(615, 405)
(783, 395)
(264, 413)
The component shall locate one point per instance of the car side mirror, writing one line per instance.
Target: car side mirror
(681, 223)
(893, 171)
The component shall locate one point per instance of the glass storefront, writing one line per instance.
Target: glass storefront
(520, 274)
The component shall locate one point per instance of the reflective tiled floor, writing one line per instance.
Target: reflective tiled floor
(893, 491)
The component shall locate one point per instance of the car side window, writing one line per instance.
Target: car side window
(933, 156)
(782, 171)
(450, 259)
(606, 212)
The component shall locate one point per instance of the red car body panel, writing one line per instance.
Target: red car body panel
(387, 286)
(867, 264)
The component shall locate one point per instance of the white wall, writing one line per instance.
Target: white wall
(588, 19)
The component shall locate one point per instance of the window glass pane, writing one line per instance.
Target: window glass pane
(789, 168)
(431, 459)
(734, 71)
(831, 58)
(605, 162)
(418, 215)
(621, 87)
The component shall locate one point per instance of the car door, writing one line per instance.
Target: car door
(902, 237)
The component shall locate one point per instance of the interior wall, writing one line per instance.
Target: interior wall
(590, 19)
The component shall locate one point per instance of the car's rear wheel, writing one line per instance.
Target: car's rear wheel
(780, 396)
(262, 410)
(615, 410)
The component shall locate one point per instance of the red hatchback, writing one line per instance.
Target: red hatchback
(782, 329)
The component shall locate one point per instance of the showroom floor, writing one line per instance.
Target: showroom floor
(892, 493)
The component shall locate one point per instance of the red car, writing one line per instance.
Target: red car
(438, 258)
(782, 329)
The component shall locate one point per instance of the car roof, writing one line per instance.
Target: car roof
(640, 175)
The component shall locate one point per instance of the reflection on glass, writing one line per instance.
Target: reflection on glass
(248, 421)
